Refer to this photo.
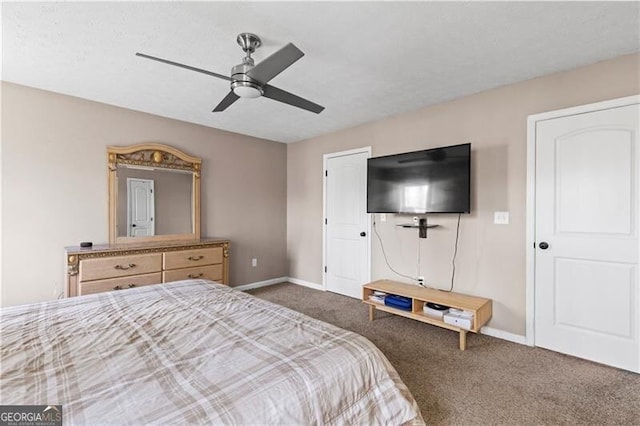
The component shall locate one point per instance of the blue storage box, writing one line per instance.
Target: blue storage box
(398, 302)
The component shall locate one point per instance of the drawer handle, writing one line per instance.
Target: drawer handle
(124, 268)
(132, 285)
(117, 287)
(194, 258)
(196, 275)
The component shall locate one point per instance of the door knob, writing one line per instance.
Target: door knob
(134, 225)
(363, 234)
(543, 245)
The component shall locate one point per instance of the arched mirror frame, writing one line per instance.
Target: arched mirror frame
(157, 156)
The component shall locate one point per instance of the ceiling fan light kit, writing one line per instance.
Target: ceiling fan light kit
(249, 80)
(246, 89)
(241, 84)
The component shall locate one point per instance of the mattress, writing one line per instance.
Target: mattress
(194, 352)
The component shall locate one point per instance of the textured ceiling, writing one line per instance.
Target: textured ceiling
(363, 60)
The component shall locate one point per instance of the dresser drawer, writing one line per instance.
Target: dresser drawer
(119, 266)
(192, 258)
(212, 272)
(123, 283)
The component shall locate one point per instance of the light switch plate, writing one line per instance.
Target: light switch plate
(501, 218)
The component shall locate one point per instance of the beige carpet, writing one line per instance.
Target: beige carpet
(492, 382)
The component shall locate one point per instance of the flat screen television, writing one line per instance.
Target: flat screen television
(430, 181)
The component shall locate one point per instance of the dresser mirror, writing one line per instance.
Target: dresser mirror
(154, 194)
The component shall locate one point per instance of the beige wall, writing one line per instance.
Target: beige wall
(54, 187)
(491, 258)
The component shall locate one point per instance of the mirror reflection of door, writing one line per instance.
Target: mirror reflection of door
(172, 197)
(141, 207)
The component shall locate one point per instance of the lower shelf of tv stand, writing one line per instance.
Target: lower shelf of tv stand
(481, 307)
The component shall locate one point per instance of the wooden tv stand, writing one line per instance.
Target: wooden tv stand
(481, 308)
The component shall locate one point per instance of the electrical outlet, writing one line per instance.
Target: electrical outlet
(254, 262)
(383, 217)
(421, 280)
(416, 220)
(501, 218)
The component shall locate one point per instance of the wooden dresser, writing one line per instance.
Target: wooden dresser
(121, 266)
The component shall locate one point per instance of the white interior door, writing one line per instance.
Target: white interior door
(586, 258)
(140, 207)
(347, 227)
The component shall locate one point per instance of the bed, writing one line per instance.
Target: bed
(194, 352)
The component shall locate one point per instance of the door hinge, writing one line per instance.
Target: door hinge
(326, 173)
(325, 220)
(534, 244)
(325, 269)
(151, 191)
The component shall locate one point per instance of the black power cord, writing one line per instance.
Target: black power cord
(385, 254)
(455, 253)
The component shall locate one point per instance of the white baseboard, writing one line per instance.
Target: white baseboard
(504, 335)
(259, 284)
(273, 281)
(305, 283)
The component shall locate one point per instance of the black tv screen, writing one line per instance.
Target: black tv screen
(430, 181)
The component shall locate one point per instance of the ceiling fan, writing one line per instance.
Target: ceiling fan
(249, 80)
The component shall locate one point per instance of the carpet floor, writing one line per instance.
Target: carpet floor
(492, 382)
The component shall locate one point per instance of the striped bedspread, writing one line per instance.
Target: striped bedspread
(194, 352)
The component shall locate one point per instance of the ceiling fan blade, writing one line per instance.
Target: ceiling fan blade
(228, 100)
(275, 64)
(280, 95)
(176, 64)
